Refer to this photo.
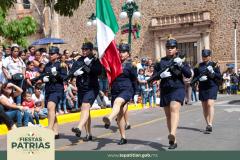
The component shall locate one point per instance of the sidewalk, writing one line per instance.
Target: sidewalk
(73, 117)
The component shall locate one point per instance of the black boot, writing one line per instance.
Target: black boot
(77, 131)
(122, 141)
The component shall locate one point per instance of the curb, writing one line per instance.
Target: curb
(73, 117)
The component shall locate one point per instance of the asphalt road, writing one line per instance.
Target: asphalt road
(149, 131)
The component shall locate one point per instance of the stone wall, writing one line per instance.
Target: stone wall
(74, 29)
(223, 12)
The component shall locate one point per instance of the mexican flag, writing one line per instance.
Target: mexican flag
(107, 28)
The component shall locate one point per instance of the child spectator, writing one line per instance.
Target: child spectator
(72, 94)
(29, 105)
(38, 99)
(143, 87)
(63, 101)
(30, 74)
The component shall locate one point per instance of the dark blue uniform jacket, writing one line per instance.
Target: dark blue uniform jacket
(126, 80)
(88, 81)
(212, 78)
(176, 80)
(55, 82)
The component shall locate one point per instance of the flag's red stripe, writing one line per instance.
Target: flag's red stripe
(111, 61)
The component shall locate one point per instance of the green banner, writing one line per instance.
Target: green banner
(138, 155)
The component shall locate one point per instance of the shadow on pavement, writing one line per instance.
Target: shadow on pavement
(104, 141)
(72, 138)
(189, 128)
(236, 102)
(112, 128)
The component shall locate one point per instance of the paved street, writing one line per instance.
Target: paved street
(149, 131)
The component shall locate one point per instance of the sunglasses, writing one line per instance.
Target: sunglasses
(170, 47)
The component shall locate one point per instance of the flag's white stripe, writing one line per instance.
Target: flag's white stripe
(105, 36)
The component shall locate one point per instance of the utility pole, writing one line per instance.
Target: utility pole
(235, 22)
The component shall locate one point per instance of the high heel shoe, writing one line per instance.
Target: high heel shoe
(172, 142)
(77, 131)
(128, 127)
(88, 138)
(122, 141)
(107, 122)
(171, 138)
(57, 136)
(172, 146)
(209, 128)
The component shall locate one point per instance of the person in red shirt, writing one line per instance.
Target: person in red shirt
(29, 105)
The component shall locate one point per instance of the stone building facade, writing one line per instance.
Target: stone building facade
(196, 24)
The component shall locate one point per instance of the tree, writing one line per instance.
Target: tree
(6, 4)
(63, 7)
(17, 30)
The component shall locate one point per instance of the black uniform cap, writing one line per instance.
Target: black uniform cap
(87, 45)
(53, 50)
(124, 47)
(206, 52)
(171, 43)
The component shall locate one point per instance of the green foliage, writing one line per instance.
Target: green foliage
(2, 17)
(18, 30)
(65, 7)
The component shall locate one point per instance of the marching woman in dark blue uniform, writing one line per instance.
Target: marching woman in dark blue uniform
(172, 88)
(208, 86)
(54, 87)
(88, 87)
(123, 89)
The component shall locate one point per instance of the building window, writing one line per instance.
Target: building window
(190, 49)
(26, 4)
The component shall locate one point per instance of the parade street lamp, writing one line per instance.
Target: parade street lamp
(130, 10)
(235, 22)
(92, 20)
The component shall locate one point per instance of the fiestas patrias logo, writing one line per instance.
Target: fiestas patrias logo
(31, 142)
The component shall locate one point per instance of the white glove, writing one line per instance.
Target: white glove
(178, 61)
(135, 98)
(78, 72)
(54, 71)
(165, 74)
(46, 79)
(87, 61)
(203, 78)
(210, 69)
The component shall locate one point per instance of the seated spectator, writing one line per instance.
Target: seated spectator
(4, 118)
(29, 105)
(38, 99)
(15, 112)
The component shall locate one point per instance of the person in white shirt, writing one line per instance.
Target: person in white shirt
(38, 99)
(14, 69)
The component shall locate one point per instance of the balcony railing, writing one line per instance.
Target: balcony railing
(180, 18)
